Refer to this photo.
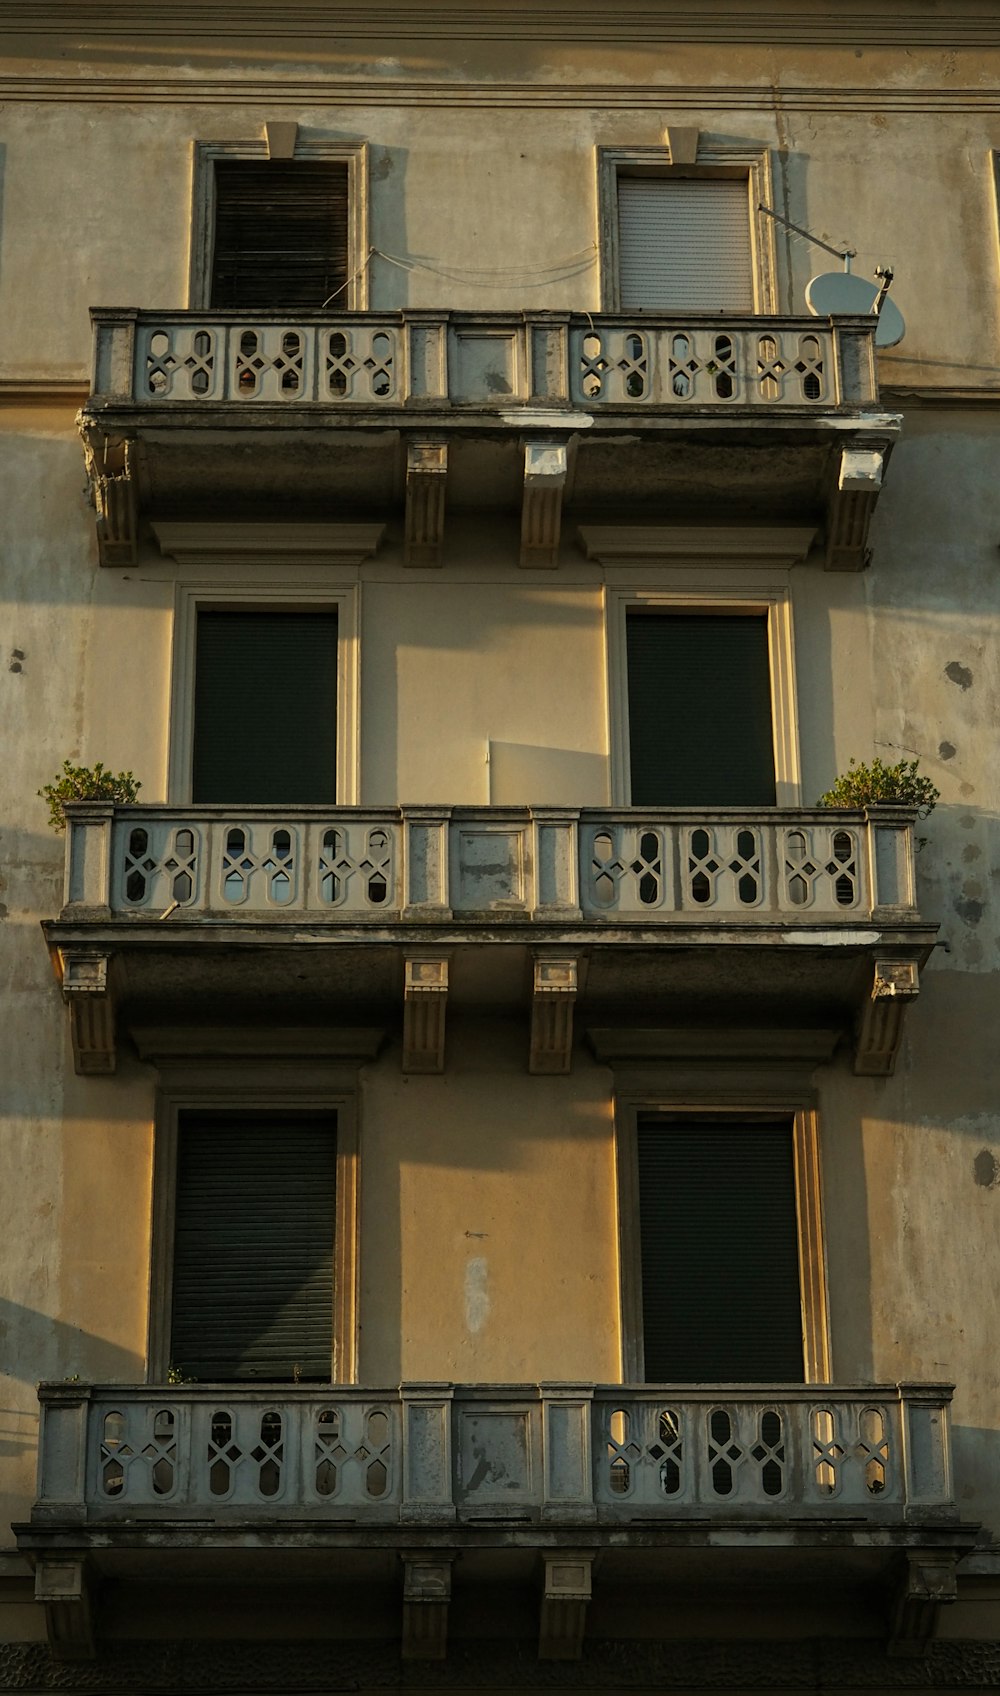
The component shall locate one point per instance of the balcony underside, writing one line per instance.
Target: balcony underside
(635, 919)
(592, 1510)
(547, 417)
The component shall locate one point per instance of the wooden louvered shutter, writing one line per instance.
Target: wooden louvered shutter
(684, 245)
(720, 1278)
(265, 714)
(699, 710)
(281, 232)
(253, 1248)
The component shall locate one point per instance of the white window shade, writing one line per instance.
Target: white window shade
(684, 245)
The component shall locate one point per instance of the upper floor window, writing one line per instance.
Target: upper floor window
(279, 234)
(686, 237)
(265, 706)
(684, 245)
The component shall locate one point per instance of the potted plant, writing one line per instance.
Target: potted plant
(86, 783)
(881, 785)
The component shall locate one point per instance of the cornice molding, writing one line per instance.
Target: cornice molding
(43, 391)
(269, 542)
(721, 545)
(326, 93)
(589, 21)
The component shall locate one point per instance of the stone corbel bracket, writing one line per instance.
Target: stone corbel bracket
(545, 472)
(425, 1002)
(426, 1595)
(64, 1589)
(856, 487)
(928, 1583)
(109, 466)
(565, 1599)
(553, 997)
(895, 984)
(88, 991)
(426, 488)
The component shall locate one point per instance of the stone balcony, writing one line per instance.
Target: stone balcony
(728, 921)
(138, 1483)
(196, 416)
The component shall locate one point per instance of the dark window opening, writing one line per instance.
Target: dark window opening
(719, 1251)
(253, 1248)
(281, 235)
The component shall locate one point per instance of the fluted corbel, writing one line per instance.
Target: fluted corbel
(928, 1582)
(425, 1002)
(63, 1587)
(554, 991)
(88, 992)
(426, 483)
(426, 1595)
(565, 1599)
(545, 471)
(852, 501)
(895, 983)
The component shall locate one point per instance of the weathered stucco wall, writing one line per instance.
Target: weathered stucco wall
(489, 1236)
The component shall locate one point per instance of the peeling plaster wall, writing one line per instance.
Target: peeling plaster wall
(902, 661)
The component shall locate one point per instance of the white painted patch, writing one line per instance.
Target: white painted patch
(477, 1299)
(831, 938)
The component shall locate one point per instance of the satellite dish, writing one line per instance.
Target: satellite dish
(842, 291)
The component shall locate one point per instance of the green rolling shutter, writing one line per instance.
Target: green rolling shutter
(699, 708)
(720, 1275)
(281, 235)
(253, 1249)
(265, 714)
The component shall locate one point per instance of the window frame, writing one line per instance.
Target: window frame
(313, 1089)
(227, 595)
(663, 1102)
(716, 159)
(769, 600)
(203, 201)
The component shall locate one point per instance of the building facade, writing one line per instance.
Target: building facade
(499, 1185)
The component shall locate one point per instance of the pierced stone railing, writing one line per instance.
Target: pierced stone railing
(391, 864)
(425, 1452)
(491, 360)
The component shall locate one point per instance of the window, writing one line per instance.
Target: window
(719, 1252)
(699, 709)
(265, 709)
(723, 1271)
(279, 234)
(255, 1209)
(264, 689)
(702, 696)
(686, 238)
(252, 1288)
(684, 245)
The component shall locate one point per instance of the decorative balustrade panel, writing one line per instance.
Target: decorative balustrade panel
(235, 1451)
(613, 1453)
(651, 869)
(618, 867)
(679, 365)
(489, 359)
(665, 1453)
(253, 864)
(357, 359)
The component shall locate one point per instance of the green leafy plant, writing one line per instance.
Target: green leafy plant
(177, 1375)
(867, 786)
(86, 783)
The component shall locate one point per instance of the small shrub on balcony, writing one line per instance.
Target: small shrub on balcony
(86, 783)
(871, 786)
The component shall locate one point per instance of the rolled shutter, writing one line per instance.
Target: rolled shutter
(699, 706)
(684, 245)
(719, 1246)
(281, 234)
(265, 715)
(253, 1249)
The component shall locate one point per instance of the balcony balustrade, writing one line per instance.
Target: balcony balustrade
(607, 406)
(559, 1454)
(719, 916)
(386, 360)
(390, 865)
